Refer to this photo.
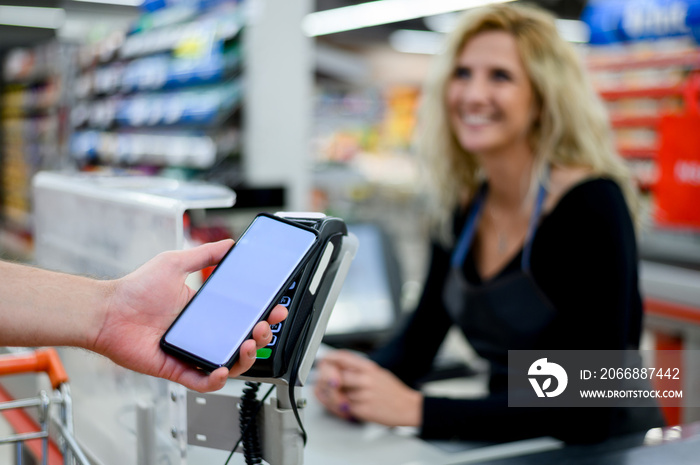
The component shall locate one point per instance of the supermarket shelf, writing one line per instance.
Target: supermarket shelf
(30, 66)
(665, 309)
(620, 63)
(635, 122)
(34, 132)
(195, 149)
(167, 94)
(671, 291)
(184, 33)
(647, 92)
(641, 89)
(160, 72)
(225, 25)
(639, 153)
(203, 106)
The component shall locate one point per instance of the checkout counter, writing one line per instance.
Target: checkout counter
(670, 286)
(672, 294)
(333, 441)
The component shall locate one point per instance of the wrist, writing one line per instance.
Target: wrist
(415, 412)
(97, 320)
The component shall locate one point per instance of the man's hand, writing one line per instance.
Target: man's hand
(142, 305)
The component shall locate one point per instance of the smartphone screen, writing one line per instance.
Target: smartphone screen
(239, 291)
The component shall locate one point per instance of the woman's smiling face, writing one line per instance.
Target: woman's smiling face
(490, 101)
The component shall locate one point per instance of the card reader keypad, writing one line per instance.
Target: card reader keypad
(285, 301)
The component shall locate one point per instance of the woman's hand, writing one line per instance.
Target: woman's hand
(354, 387)
(328, 389)
(142, 305)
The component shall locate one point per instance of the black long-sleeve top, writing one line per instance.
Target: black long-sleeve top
(584, 259)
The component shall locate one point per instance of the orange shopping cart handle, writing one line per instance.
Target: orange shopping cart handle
(46, 360)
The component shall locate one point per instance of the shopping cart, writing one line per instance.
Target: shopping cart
(46, 436)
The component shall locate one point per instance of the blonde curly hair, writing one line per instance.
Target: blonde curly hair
(573, 128)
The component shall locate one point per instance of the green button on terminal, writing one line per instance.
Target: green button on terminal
(264, 353)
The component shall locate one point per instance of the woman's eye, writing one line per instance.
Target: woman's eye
(462, 73)
(501, 75)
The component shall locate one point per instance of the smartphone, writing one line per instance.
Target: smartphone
(242, 290)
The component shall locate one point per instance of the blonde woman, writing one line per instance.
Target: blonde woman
(534, 238)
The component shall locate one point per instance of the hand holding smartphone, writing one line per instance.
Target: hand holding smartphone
(242, 290)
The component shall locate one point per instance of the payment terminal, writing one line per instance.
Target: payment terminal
(274, 430)
(305, 299)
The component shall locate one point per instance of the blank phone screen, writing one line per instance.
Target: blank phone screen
(224, 311)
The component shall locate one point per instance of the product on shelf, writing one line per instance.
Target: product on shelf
(165, 93)
(643, 68)
(34, 129)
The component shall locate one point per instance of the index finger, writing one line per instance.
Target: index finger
(206, 255)
(349, 360)
(248, 350)
(261, 331)
(278, 314)
(329, 374)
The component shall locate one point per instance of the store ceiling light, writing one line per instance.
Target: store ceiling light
(413, 41)
(570, 29)
(444, 22)
(573, 30)
(430, 42)
(381, 12)
(31, 16)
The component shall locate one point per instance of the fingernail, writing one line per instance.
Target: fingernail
(333, 383)
(252, 353)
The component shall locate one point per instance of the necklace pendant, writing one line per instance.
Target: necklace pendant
(502, 243)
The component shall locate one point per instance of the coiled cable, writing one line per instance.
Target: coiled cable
(250, 437)
(253, 414)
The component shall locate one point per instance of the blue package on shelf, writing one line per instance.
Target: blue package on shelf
(192, 71)
(193, 149)
(201, 5)
(189, 38)
(84, 144)
(164, 17)
(173, 109)
(165, 72)
(199, 105)
(146, 73)
(156, 5)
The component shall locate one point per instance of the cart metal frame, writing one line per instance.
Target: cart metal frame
(53, 419)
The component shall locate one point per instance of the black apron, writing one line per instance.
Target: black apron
(505, 313)
(512, 313)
